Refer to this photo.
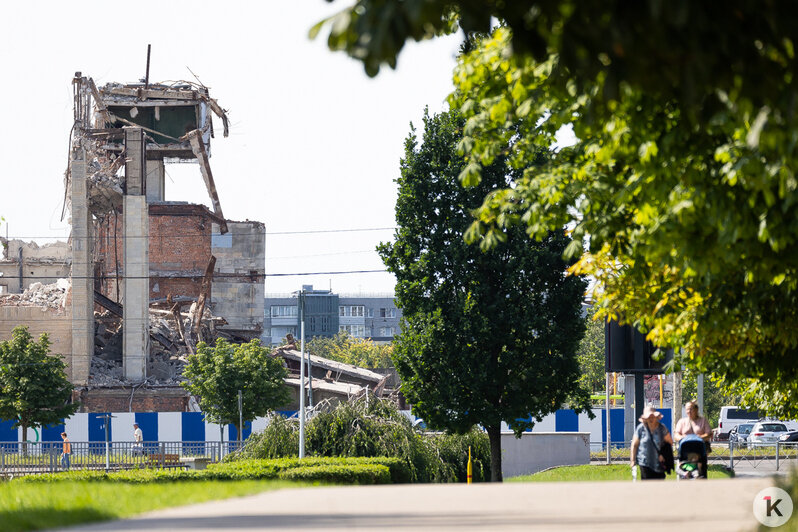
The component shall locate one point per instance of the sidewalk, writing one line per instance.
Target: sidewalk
(618, 506)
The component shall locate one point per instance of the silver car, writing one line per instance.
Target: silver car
(766, 432)
(739, 434)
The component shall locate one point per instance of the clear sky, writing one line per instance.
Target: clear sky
(314, 143)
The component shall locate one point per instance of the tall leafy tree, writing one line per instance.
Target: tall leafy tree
(487, 336)
(590, 354)
(216, 374)
(34, 388)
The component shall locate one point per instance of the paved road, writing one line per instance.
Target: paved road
(618, 506)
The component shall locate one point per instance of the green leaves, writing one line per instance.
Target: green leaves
(216, 374)
(34, 388)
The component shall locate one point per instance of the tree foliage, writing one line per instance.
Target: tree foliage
(682, 180)
(487, 336)
(216, 374)
(34, 388)
(590, 354)
(692, 230)
(680, 50)
(344, 347)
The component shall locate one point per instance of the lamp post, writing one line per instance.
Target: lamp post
(302, 376)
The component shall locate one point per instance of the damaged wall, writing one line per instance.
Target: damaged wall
(39, 264)
(179, 250)
(43, 309)
(238, 280)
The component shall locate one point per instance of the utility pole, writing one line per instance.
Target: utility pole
(240, 416)
(302, 376)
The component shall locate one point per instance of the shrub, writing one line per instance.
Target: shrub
(375, 428)
(340, 474)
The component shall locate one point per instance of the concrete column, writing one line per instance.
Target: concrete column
(629, 419)
(677, 398)
(155, 181)
(82, 272)
(136, 223)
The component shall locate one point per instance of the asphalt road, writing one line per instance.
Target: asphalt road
(618, 506)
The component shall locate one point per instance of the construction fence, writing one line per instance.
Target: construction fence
(26, 458)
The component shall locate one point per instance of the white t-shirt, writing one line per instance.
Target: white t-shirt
(137, 435)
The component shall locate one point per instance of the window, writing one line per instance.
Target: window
(351, 310)
(357, 331)
(369, 312)
(283, 311)
(387, 313)
(387, 331)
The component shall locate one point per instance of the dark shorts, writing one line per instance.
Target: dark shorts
(646, 473)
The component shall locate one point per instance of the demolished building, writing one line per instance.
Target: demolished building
(148, 278)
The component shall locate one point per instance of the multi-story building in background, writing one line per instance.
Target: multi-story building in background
(373, 316)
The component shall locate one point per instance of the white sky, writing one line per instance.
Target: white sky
(314, 143)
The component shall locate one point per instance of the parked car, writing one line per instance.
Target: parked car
(730, 417)
(739, 434)
(789, 437)
(766, 432)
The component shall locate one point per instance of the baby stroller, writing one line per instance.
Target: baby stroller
(692, 458)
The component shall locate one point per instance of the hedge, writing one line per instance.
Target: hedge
(340, 474)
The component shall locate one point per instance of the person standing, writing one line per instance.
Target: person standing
(649, 437)
(138, 439)
(66, 451)
(694, 423)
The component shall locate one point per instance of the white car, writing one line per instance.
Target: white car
(766, 432)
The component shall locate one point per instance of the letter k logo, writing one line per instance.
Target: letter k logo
(772, 506)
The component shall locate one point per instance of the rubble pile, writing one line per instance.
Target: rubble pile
(170, 345)
(40, 295)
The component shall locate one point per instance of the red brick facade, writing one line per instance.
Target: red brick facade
(143, 400)
(180, 248)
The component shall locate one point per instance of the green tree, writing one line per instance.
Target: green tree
(34, 388)
(344, 347)
(692, 230)
(715, 396)
(216, 374)
(590, 354)
(487, 336)
(682, 178)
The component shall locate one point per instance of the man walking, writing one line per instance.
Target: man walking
(66, 452)
(138, 439)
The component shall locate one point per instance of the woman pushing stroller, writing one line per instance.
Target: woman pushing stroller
(694, 424)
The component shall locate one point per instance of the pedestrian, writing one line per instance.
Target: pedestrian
(694, 423)
(66, 452)
(650, 438)
(138, 439)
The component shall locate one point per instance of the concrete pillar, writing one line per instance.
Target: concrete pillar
(629, 419)
(136, 223)
(82, 272)
(677, 398)
(155, 181)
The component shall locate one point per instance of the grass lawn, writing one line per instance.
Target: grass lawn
(34, 506)
(599, 472)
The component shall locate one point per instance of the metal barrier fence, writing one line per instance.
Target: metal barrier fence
(25, 458)
(761, 456)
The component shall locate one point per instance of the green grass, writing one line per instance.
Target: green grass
(39, 505)
(592, 473)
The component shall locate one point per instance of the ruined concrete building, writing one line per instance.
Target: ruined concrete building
(149, 278)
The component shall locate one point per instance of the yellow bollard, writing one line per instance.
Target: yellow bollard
(470, 467)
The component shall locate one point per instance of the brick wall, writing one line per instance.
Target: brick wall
(143, 399)
(180, 248)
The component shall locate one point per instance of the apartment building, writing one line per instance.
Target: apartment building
(373, 316)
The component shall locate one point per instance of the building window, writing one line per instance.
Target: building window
(387, 331)
(283, 311)
(387, 313)
(351, 310)
(356, 331)
(369, 312)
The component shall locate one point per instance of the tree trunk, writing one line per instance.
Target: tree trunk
(24, 440)
(495, 437)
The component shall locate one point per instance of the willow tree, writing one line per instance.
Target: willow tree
(487, 336)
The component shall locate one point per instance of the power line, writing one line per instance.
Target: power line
(196, 235)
